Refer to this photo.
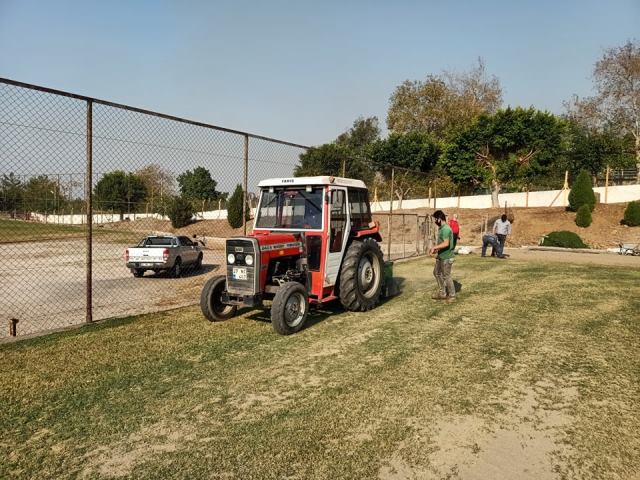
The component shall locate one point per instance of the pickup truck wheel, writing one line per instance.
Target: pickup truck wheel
(176, 270)
(211, 300)
(290, 308)
(199, 262)
(137, 272)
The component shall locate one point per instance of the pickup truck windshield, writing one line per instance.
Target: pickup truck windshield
(291, 208)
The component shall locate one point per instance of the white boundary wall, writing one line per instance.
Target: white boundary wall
(550, 198)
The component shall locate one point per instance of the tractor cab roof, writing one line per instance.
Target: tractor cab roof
(304, 181)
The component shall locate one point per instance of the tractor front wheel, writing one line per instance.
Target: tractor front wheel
(290, 308)
(211, 300)
(361, 276)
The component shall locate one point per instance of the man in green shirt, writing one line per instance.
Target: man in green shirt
(444, 260)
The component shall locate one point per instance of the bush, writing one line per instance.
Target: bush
(234, 208)
(632, 214)
(582, 192)
(583, 217)
(180, 211)
(563, 239)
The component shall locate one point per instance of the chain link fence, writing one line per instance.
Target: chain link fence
(82, 179)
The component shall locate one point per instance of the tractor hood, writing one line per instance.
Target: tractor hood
(279, 243)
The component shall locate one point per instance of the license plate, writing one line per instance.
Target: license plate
(146, 264)
(239, 273)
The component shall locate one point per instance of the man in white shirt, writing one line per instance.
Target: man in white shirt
(502, 228)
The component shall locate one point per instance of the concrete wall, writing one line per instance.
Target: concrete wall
(550, 198)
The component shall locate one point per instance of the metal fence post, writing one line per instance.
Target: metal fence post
(390, 222)
(245, 185)
(89, 199)
(404, 254)
(417, 234)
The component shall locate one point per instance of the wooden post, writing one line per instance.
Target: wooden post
(429, 200)
(458, 198)
(526, 199)
(565, 187)
(606, 185)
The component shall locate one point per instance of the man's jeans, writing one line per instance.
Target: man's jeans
(442, 272)
(502, 239)
(495, 245)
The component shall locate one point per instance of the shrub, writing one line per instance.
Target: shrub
(583, 217)
(563, 239)
(180, 211)
(632, 214)
(234, 208)
(582, 192)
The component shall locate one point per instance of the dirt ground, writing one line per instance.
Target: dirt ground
(531, 224)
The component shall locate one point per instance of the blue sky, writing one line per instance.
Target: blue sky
(303, 71)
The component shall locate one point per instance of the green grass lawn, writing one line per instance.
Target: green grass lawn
(533, 373)
(12, 231)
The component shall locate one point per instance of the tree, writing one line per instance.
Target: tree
(234, 208)
(594, 150)
(11, 193)
(582, 192)
(443, 102)
(158, 182)
(328, 159)
(414, 153)
(119, 191)
(198, 185)
(180, 211)
(583, 216)
(43, 194)
(632, 214)
(513, 145)
(363, 133)
(616, 104)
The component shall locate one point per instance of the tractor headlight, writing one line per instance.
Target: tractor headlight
(248, 259)
(231, 258)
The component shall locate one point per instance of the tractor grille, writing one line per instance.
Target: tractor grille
(240, 248)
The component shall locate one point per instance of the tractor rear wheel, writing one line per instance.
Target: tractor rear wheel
(290, 308)
(361, 276)
(211, 300)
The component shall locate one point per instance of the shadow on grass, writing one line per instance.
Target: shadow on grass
(321, 312)
(187, 272)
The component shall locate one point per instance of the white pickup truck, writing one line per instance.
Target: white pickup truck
(158, 253)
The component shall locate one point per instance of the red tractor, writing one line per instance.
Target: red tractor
(313, 241)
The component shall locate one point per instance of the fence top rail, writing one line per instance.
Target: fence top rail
(400, 214)
(146, 112)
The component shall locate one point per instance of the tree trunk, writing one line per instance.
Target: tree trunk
(495, 190)
(638, 158)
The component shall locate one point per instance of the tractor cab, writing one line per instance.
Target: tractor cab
(313, 241)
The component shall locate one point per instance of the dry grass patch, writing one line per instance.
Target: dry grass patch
(533, 373)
